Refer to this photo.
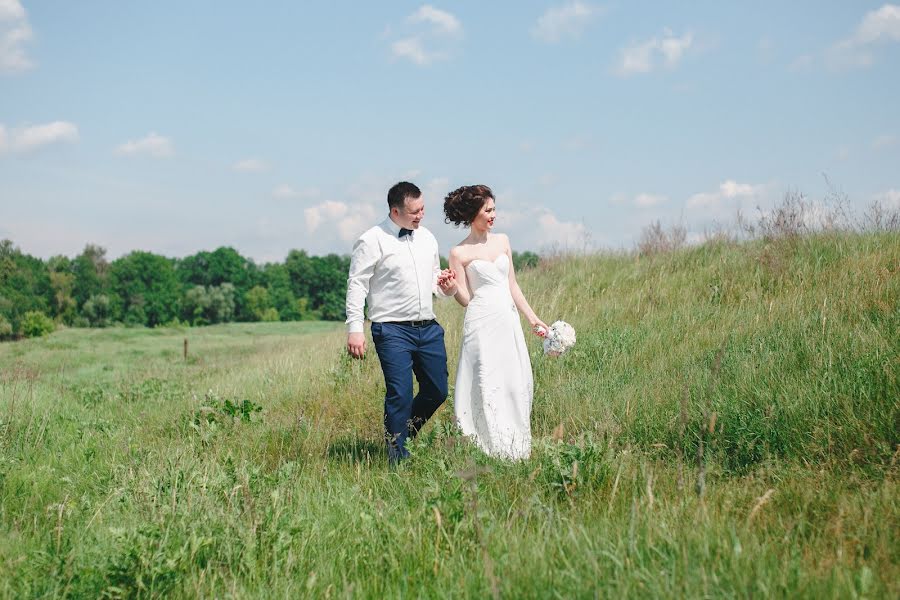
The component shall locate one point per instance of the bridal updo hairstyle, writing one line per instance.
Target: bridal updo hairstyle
(461, 206)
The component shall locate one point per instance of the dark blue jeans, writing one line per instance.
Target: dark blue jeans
(405, 350)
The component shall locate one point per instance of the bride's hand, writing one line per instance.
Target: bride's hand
(539, 328)
(447, 282)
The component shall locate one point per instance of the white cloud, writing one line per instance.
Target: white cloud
(529, 227)
(884, 141)
(877, 26)
(412, 49)
(15, 32)
(429, 35)
(26, 139)
(152, 144)
(352, 225)
(36, 136)
(346, 220)
(889, 199)
(644, 57)
(329, 209)
(443, 21)
(251, 165)
(730, 196)
(11, 10)
(568, 20)
(564, 234)
(649, 200)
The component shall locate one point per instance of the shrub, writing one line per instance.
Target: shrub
(270, 314)
(656, 240)
(36, 324)
(6, 328)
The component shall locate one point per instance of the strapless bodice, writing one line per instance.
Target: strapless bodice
(488, 277)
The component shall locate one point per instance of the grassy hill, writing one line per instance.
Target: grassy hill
(727, 425)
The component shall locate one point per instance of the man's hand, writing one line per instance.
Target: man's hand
(356, 344)
(447, 282)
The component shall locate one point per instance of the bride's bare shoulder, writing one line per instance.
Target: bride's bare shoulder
(502, 239)
(457, 251)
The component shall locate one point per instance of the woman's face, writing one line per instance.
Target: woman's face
(484, 220)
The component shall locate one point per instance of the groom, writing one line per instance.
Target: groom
(395, 267)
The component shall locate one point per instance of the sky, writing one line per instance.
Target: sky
(175, 127)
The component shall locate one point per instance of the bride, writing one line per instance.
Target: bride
(494, 386)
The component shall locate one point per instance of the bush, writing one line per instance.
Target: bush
(37, 324)
(657, 240)
(6, 328)
(270, 314)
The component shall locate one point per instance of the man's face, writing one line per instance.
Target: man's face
(411, 214)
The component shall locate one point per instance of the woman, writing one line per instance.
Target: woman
(493, 391)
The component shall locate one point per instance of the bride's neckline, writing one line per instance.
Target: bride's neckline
(485, 260)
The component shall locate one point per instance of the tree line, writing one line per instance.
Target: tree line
(146, 289)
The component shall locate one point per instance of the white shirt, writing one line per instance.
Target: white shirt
(395, 276)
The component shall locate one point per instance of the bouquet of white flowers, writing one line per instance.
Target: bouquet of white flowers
(559, 339)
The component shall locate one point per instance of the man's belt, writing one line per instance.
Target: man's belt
(424, 323)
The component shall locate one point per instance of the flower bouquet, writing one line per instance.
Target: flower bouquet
(558, 339)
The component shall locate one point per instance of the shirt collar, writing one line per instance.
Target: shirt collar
(392, 228)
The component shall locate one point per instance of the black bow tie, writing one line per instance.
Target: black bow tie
(404, 231)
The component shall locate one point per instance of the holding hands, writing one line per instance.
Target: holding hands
(447, 282)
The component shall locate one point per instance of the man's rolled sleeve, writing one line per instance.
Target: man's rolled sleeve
(362, 266)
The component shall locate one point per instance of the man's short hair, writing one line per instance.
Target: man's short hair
(398, 194)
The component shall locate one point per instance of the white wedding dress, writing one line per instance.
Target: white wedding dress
(494, 386)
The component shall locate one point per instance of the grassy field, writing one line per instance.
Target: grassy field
(727, 426)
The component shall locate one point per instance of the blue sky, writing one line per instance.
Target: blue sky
(180, 126)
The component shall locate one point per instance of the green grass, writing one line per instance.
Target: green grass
(128, 471)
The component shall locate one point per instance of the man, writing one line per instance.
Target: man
(395, 267)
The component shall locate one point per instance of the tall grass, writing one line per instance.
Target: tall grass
(128, 471)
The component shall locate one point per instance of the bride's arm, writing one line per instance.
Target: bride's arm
(462, 286)
(518, 296)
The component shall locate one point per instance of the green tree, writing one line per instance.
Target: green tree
(257, 301)
(195, 305)
(328, 286)
(209, 305)
(332, 306)
(299, 267)
(62, 281)
(525, 260)
(212, 269)
(223, 300)
(281, 296)
(320, 279)
(24, 285)
(91, 270)
(97, 310)
(145, 287)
